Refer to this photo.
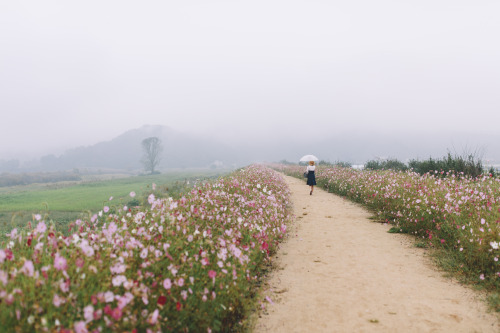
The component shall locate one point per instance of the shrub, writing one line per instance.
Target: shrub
(390, 164)
(468, 165)
(343, 164)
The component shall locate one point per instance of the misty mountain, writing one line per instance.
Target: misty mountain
(125, 152)
(194, 151)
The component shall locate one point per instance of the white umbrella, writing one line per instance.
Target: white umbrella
(308, 158)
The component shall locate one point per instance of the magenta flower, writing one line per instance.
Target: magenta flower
(79, 262)
(212, 274)
(117, 313)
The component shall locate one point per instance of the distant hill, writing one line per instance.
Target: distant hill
(125, 151)
(192, 151)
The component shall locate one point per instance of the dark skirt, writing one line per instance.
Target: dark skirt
(311, 178)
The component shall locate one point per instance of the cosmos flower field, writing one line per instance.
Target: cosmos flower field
(445, 210)
(178, 265)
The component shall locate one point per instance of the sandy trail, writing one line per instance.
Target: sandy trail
(340, 272)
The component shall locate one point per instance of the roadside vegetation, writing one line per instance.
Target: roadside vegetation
(188, 264)
(456, 214)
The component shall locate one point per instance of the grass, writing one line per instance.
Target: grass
(69, 200)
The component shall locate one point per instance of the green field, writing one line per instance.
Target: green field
(64, 202)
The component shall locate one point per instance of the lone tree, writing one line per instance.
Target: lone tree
(152, 148)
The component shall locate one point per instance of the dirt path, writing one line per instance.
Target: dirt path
(341, 272)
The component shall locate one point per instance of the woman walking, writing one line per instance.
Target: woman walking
(311, 178)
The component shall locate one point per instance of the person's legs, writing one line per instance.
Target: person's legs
(312, 188)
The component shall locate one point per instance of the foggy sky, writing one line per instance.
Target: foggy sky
(79, 72)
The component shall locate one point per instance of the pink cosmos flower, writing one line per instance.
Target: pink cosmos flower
(154, 317)
(167, 284)
(3, 277)
(28, 268)
(2, 256)
(57, 301)
(13, 233)
(151, 198)
(79, 262)
(106, 209)
(481, 276)
(109, 297)
(86, 248)
(118, 280)
(81, 327)
(132, 194)
(60, 262)
(41, 227)
(180, 282)
(117, 313)
(88, 313)
(118, 268)
(124, 300)
(212, 274)
(64, 285)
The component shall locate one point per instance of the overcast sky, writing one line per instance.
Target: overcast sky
(78, 72)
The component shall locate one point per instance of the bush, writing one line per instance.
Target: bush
(343, 164)
(468, 165)
(390, 164)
